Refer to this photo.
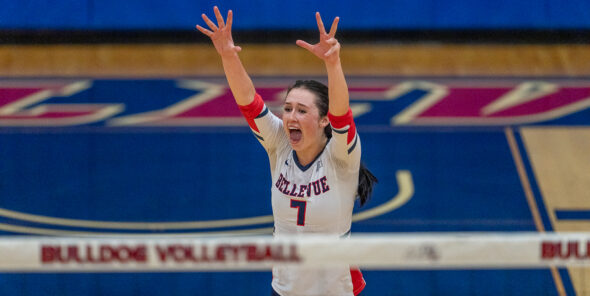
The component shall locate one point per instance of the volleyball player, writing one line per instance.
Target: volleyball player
(314, 152)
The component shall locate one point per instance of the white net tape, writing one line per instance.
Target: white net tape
(383, 251)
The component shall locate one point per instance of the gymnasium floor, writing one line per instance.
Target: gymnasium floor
(462, 138)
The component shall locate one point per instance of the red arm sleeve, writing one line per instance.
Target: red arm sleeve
(252, 110)
(341, 123)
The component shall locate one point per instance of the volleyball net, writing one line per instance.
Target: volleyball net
(369, 251)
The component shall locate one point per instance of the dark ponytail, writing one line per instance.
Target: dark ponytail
(366, 179)
(366, 182)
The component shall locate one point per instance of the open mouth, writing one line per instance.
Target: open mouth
(295, 135)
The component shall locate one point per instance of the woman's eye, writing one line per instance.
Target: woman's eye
(287, 109)
(302, 111)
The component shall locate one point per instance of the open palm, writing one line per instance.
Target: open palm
(220, 34)
(328, 48)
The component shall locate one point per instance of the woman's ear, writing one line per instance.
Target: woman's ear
(324, 121)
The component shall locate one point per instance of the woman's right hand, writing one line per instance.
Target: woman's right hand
(220, 34)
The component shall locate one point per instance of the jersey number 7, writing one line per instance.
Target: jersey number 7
(300, 205)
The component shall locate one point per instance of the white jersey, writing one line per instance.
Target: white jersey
(316, 198)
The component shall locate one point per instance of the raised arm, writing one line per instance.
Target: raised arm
(328, 50)
(239, 82)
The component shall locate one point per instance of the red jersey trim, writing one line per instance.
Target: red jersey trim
(252, 110)
(339, 122)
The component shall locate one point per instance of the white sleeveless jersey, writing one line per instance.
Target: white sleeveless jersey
(314, 199)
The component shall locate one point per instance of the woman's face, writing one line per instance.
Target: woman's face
(301, 120)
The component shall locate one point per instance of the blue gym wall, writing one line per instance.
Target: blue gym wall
(257, 14)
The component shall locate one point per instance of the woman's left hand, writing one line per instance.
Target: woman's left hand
(328, 48)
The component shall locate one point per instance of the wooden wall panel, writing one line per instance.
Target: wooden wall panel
(162, 60)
